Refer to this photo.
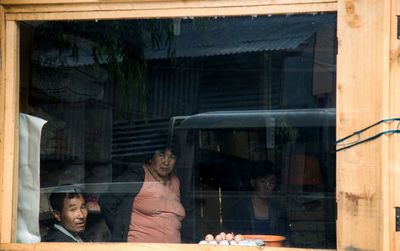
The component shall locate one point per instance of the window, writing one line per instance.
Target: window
(229, 96)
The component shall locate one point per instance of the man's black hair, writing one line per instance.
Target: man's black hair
(56, 198)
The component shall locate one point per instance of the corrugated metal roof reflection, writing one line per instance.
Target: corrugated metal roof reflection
(211, 37)
(139, 137)
(202, 37)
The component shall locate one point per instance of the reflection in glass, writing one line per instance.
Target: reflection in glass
(226, 95)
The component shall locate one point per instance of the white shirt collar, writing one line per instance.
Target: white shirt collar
(66, 232)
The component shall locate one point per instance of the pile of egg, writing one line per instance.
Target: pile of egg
(228, 239)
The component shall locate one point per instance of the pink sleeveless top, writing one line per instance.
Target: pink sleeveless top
(157, 212)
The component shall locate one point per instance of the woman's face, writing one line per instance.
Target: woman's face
(263, 186)
(163, 162)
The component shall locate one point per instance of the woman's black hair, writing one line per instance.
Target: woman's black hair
(149, 156)
(262, 169)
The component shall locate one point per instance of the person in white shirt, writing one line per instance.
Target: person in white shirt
(69, 213)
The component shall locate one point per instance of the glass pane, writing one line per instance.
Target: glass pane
(245, 107)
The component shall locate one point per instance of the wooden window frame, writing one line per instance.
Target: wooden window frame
(367, 72)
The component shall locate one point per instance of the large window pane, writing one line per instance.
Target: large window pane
(246, 105)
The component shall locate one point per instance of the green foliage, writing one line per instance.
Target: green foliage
(284, 133)
(118, 46)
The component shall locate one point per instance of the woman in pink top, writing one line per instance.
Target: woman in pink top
(152, 213)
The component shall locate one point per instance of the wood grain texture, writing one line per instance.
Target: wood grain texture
(137, 247)
(162, 5)
(224, 2)
(363, 99)
(394, 157)
(10, 151)
(2, 106)
(165, 9)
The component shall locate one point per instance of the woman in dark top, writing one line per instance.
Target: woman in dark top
(260, 213)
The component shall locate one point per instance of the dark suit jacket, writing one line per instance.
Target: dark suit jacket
(55, 235)
(117, 207)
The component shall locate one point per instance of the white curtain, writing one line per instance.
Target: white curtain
(30, 129)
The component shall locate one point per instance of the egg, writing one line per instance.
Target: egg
(209, 237)
(218, 238)
(223, 235)
(233, 243)
(229, 237)
(224, 243)
(238, 238)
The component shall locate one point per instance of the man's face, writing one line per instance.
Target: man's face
(163, 162)
(73, 215)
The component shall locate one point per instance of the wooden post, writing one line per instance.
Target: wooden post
(363, 94)
(9, 139)
(394, 172)
(2, 92)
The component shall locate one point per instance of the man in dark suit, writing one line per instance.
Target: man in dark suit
(69, 213)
